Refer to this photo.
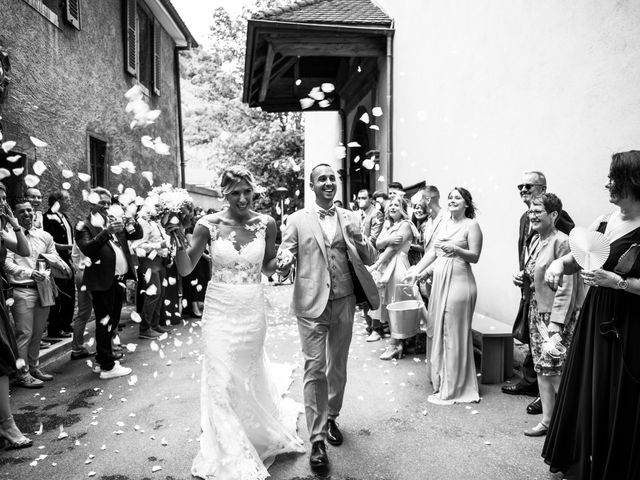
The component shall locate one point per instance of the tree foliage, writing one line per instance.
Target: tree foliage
(220, 130)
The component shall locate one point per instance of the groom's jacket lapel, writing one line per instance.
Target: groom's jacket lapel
(314, 223)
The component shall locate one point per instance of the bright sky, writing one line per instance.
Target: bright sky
(197, 14)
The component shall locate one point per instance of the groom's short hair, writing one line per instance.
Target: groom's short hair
(316, 167)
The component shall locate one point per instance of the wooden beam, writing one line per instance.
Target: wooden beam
(266, 76)
(282, 67)
(329, 47)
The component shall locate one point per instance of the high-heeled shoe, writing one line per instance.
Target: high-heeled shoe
(11, 436)
(392, 351)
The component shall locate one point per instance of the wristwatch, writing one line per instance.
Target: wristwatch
(622, 284)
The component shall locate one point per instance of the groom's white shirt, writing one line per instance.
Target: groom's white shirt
(328, 223)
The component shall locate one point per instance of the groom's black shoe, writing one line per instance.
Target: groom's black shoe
(334, 435)
(318, 458)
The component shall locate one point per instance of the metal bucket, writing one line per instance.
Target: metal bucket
(404, 318)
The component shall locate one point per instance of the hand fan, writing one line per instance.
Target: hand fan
(590, 249)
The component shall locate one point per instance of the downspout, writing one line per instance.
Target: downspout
(389, 106)
(176, 73)
(346, 164)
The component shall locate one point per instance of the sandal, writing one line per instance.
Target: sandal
(11, 435)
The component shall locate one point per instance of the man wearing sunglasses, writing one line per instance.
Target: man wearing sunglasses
(533, 184)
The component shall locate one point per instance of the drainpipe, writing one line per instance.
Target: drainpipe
(389, 106)
(176, 73)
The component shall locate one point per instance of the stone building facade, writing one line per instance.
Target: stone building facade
(68, 65)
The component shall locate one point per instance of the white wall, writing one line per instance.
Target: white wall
(322, 133)
(485, 89)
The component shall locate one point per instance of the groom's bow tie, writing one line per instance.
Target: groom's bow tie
(330, 212)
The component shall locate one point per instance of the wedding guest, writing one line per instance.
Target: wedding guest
(452, 302)
(194, 285)
(595, 428)
(419, 218)
(56, 223)
(552, 313)
(16, 242)
(34, 197)
(104, 240)
(29, 314)
(392, 264)
(371, 220)
(380, 200)
(152, 251)
(395, 188)
(79, 349)
(533, 183)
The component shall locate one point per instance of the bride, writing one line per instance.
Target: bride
(245, 422)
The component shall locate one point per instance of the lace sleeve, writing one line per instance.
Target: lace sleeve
(260, 227)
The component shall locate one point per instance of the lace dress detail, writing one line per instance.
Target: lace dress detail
(245, 420)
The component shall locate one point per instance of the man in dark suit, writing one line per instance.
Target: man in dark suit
(533, 184)
(104, 239)
(56, 223)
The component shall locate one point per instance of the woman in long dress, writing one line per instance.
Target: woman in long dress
(245, 422)
(595, 428)
(394, 241)
(452, 302)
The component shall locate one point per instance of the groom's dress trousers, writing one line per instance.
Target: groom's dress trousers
(325, 342)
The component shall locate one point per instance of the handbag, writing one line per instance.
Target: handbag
(521, 324)
(47, 292)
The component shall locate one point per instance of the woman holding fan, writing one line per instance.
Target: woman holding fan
(595, 429)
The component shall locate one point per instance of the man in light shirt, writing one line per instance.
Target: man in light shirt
(152, 251)
(104, 240)
(23, 275)
(34, 197)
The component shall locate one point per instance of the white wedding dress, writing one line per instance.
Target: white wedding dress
(244, 419)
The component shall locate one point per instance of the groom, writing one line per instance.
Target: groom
(330, 252)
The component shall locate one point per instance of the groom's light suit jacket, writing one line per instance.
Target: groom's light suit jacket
(323, 272)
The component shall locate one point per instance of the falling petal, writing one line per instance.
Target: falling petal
(66, 185)
(374, 127)
(55, 207)
(134, 93)
(172, 280)
(147, 141)
(365, 117)
(376, 111)
(97, 220)
(135, 317)
(105, 320)
(353, 144)
(324, 103)
(306, 103)
(93, 198)
(149, 176)
(18, 171)
(31, 180)
(327, 87)
(67, 173)
(154, 346)
(8, 146)
(13, 158)
(368, 163)
(116, 169)
(316, 94)
(131, 347)
(85, 177)
(4, 173)
(341, 152)
(37, 142)
(39, 167)
(156, 468)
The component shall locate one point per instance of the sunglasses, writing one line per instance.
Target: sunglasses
(527, 186)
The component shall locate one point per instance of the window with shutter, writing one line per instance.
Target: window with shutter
(157, 35)
(72, 13)
(131, 44)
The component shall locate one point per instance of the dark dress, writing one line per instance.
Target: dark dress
(8, 346)
(595, 429)
(194, 285)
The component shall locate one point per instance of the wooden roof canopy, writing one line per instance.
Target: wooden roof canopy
(292, 50)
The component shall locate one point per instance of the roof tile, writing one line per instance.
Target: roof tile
(348, 12)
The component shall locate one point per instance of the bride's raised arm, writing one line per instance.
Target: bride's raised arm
(269, 262)
(186, 260)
